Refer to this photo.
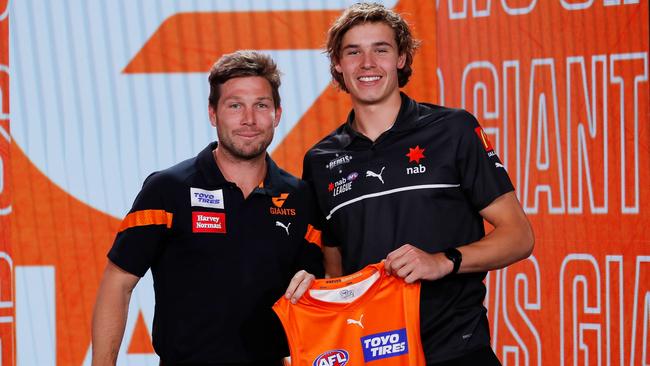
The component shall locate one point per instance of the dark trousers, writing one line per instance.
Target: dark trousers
(480, 357)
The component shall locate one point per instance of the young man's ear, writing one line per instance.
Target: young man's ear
(401, 61)
(212, 114)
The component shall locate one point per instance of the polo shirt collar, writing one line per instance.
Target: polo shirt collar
(272, 183)
(411, 115)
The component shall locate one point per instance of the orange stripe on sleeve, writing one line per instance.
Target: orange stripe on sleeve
(313, 236)
(147, 217)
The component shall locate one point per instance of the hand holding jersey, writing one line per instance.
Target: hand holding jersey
(300, 283)
(413, 264)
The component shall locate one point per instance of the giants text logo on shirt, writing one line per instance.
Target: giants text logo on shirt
(202, 198)
(384, 345)
(208, 222)
(278, 202)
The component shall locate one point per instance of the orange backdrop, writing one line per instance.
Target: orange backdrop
(561, 88)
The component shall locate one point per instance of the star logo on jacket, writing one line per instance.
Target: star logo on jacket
(415, 154)
(330, 187)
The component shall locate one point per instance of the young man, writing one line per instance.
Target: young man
(411, 183)
(222, 233)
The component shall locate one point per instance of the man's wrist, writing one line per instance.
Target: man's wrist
(456, 257)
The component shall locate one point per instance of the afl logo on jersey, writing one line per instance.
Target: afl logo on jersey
(337, 357)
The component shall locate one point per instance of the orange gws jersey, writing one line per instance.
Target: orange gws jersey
(367, 317)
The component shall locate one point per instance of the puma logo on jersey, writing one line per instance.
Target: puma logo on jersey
(285, 227)
(356, 322)
(499, 165)
(370, 173)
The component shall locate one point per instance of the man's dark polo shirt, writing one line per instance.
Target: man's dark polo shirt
(218, 261)
(422, 182)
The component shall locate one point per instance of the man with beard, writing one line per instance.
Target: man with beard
(223, 233)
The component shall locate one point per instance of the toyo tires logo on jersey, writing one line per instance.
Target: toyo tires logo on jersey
(384, 345)
(337, 357)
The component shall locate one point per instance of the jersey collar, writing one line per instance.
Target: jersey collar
(271, 185)
(411, 115)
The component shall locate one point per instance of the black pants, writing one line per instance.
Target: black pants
(480, 357)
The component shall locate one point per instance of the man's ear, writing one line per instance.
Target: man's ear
(212, 114)
(401, 61)
(278, 114)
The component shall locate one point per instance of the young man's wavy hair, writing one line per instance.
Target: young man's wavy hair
(241, 64)
(361, 13)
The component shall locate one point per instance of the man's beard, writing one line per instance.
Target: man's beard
(244, 151)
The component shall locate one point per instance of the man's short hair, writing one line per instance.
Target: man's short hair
(361, 13)
(241, 64)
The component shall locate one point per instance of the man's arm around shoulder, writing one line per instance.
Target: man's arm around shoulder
(109, 316)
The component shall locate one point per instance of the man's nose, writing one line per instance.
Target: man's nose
(249, 116)
(368, 60)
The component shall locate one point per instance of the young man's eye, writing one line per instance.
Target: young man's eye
(352, 52)
(262, 105)
(234, 106)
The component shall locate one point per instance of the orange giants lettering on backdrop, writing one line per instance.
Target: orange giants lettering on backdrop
(561, 89)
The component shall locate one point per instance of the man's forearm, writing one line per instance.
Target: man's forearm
(511, 240)
(498, 249)
(109, 316)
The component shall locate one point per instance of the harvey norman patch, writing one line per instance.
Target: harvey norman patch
(202, 198)
(384, 345)
(208, 222)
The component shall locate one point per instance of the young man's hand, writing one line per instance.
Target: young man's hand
(413, 264)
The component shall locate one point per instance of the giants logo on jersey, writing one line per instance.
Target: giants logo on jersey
(337, 357)
(278, 202)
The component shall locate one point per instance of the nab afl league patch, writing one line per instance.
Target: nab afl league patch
(203, 198)
(208, 222)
